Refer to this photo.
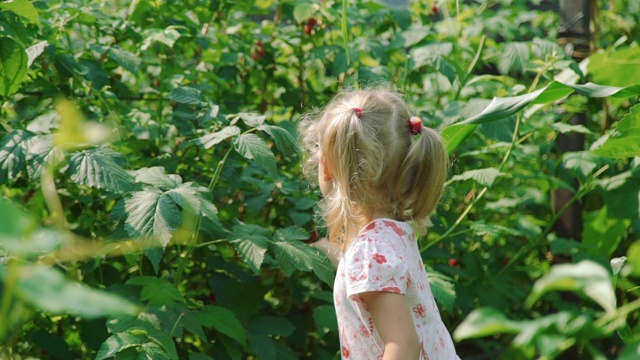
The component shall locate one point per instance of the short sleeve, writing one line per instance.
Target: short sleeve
(374, 263)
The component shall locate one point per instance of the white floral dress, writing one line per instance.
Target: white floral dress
(385, 257)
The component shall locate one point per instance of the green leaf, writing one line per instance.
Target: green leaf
(283, 140)
(13, 154)
(271, 325)
(585, 278)
(47, 289)
(167, 36)
(624, 141)
(484, 177)
(303, 11)
(15, 220)
(251, 242)
(622, 194)
(345, 30)
(157, 291)
(325, 318)
(152, 214)
(210, 140)
(225, 322)
(630, 352)
(126, 59)
(252, 147)
(293, 254)
(501, 108)
(442, 288)
(119, 342)
(515, 55)
(99, 168)
(34, 51)
(581, 162)
(13, 66)
(620, 68)
(633, 258)
(23, 8)
(186, 95)
(601, 234)
(263, 345)
(485, 322)
(427, 55)
(42, 153)
(157, 177)
(564, 128)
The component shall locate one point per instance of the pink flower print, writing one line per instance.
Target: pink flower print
(371, 226)
(363, 330)
(345, 352)
(392, 289)
(420, 311)
(395, 228)
(379, 258)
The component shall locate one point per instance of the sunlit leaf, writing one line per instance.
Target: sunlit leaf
(47, 289)
(251, 242)
(484, 177)
(99, 168)
(624, 141)
(186, 95)
(515, 55)
(485, 322)
(585, 278)
(126, 59)
(13, 154)
(254, 148)
(23, 8)
(602, 234)
(212, 139)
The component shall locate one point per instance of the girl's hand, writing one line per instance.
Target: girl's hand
(392, 318)
(329, 250)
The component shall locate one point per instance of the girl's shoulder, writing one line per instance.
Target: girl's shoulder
(383, 225)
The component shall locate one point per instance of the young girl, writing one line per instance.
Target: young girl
(379, 169)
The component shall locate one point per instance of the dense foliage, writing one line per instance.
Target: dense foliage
(153, 204)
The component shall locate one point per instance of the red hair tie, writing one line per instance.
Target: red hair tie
(415, 123)
(358, 112)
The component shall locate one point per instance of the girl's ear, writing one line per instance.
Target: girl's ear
(327, 174)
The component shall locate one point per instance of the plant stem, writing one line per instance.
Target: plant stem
(175, 325)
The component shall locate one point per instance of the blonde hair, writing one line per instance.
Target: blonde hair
(377, 165)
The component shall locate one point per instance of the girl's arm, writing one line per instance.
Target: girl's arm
(392, 318)
(328, 249)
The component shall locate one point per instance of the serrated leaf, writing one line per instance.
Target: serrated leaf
(167, 36)
(283, 140)
(34, 51)
(252, 120)
(252, 147)
(13, 154)
(210, 140)
(99, 168)
(582, 162)
(619, 68)
(186, 95)
(564, 128)
(585, 278)
(426, 55)
(157, 291)
(126, 59)
(119, 342)
(624, 141)
(157, 177)
(224, 321)
(251, 242)
(293, 254)
(152, 214)
(485, 322)
(22, 8)
(484, 177)
(514, 56)
(47, 290)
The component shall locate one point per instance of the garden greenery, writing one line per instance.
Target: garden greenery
(153, 206)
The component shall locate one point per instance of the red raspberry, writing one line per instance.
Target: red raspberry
(434, 9)
(453, 262)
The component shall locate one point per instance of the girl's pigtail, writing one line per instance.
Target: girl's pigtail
(423, 174)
